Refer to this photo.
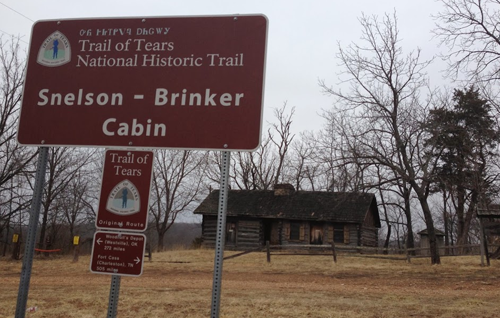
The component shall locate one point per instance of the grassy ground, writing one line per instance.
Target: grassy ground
(179, 284)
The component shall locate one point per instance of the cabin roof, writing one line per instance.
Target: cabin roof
(436, 231)
(491, 211)
(345, 207)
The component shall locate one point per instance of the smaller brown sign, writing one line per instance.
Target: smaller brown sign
(116, 253)
(126, 181)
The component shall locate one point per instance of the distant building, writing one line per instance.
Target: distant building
(424, 241)
(284, 216)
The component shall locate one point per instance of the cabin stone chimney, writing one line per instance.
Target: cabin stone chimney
(283, 189)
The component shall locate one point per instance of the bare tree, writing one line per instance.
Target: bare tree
(284, 139)
(13, 158)
(302, 168)
(255, 170)
(63, 166)
(263, 168)
(350, 172)
(178, 184)
(470, 31)
(384, 100)
(13, 201)
(76, 203)
(342, 171)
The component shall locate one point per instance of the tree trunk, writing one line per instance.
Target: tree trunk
(410, 242)
(446, 225)
(43, 228)
(71, 236)
(463, 240)
(161, 236)
(461, 233)
(434, 250)
(387, 238)
(6, 236)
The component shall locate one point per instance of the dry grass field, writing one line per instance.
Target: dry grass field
(179, 284)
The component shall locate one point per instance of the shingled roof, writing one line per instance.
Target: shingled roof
(299, 205)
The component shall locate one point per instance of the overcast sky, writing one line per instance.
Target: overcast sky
(302, 39)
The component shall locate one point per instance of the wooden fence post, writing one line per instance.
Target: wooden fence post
(16, 250)
(76, 253)
(148, 249)
(268, 252)
(334, 252)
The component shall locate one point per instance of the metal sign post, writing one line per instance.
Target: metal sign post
(200, 87)
(29, 251)
(221, 235)
(114, 293)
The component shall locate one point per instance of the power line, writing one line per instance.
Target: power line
(12, 35)
(16, 11)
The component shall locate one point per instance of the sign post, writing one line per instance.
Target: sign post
(154, 82)
(29, 250)
(114, 294)
(123, 205)
(220, 235)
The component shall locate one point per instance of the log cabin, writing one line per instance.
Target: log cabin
(284, 216)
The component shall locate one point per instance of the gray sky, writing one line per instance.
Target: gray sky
(302, 38)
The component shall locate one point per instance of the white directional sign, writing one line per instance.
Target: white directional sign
(117, 253)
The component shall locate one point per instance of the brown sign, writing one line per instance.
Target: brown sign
(117, 253)
(126, 183)
(169, 82)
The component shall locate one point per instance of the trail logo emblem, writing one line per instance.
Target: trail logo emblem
(54, 51)
(124, 199)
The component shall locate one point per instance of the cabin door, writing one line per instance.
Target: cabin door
(275, 238)
(231, 231)
(317, 234)
(271, 232)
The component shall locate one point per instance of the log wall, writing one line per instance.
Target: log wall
(369, 236)
(250, 233)
(209, 231)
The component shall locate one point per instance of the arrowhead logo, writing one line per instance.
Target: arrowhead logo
(54, 51)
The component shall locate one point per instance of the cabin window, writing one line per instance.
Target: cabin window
(338, 233)
(294, 231)
(231, 232)
(341, 233)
